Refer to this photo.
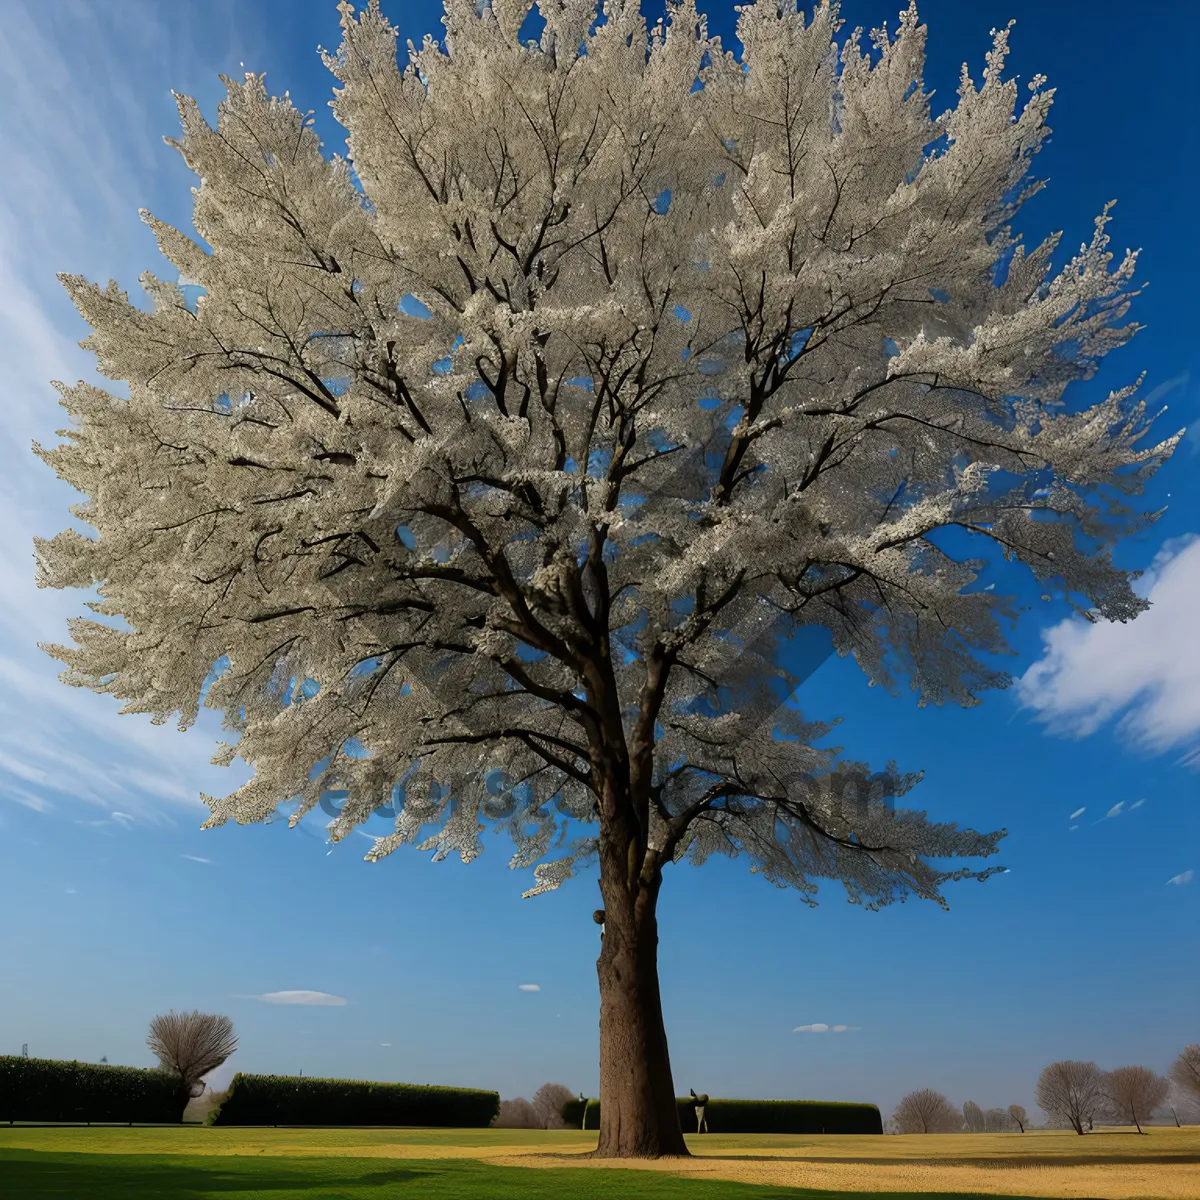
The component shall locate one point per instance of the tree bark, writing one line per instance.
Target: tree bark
(638, 1116)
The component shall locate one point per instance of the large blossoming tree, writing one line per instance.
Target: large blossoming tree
(499, 461)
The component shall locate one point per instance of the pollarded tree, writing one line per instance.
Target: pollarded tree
(191, 1044)
(926, 1111)
(503, 465)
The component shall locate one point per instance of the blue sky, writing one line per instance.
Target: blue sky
(120, 907)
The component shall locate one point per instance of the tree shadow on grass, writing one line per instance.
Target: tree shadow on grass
(129, 1177)
(36, 1175)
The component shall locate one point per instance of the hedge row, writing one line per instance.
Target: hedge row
(44, 1089)
(299, 1100)
(768, 1116)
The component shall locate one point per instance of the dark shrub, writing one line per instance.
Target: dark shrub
(44, 1089)
(299, 1100)
(770, 1116)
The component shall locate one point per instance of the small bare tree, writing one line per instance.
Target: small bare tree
(191, 1044)
(1133, 1093)
(1183, 1104)
(549, 1105)
(973, 1116)
(1019, 1116)
(926, 1111)
(1072, 1092)
(516, 1114)
(1185, 1070)
(997, 1120)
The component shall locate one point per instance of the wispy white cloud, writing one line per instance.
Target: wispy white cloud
(89, 144)
(1144, 675)
(1118, 810)
(26, 799)
(1162, 390)
(821, 1027)
(197, 858)
(121, 818)
(1077, 814)
(1182, 878)
(530, 987)
(316, 999)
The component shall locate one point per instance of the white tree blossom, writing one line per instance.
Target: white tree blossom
(501, 459)
(538, 439)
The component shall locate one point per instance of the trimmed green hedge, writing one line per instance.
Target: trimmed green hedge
(572, 1113)
(769, 1116)
(299, 1100)
(45, 1089)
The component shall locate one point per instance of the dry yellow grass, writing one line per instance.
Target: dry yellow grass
(1105, 1165)
(1109, 1164)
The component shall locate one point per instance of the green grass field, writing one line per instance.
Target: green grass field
(33, 1173)
(190, 1163)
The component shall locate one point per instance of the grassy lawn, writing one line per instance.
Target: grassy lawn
(324, 1164)
(32, 1173)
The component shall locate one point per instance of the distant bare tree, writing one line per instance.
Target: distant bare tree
(1133, 1093)
(190, 1044)
(516, 1114)
(1019, 1116)
(1072, 1092)
(997, 1120)
(973, 1116)
(549, 1102)
(926, 1111)
(1185, 1070)
(1184, 1104)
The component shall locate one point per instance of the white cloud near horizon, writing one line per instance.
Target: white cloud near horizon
(530, 987)
(315, 999)
(1143, 675)
(821, 1027)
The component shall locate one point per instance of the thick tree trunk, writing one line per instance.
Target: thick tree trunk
(638, 1117)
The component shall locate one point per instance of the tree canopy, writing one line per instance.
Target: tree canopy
(500, 460)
